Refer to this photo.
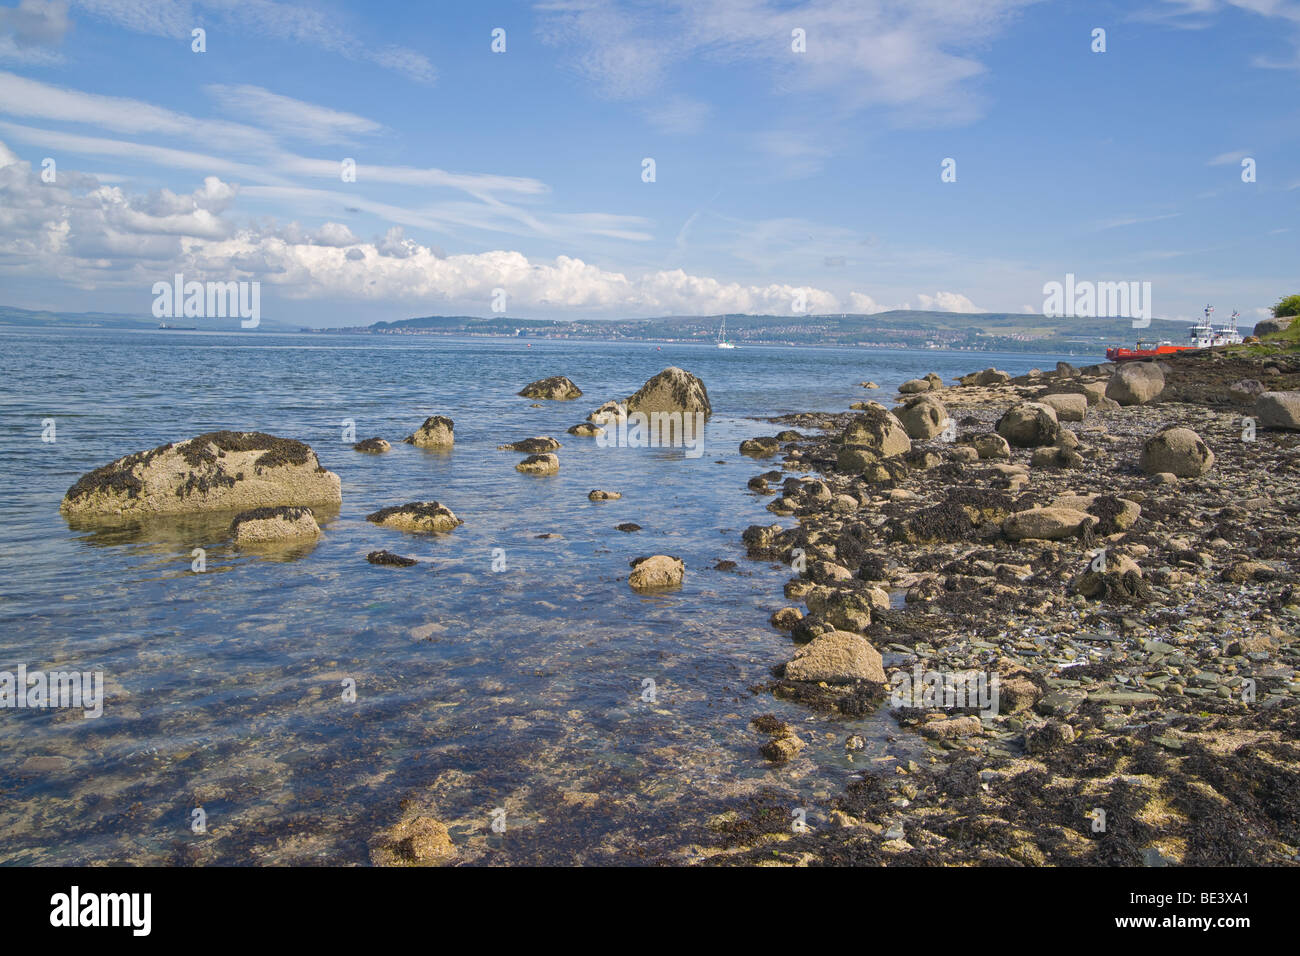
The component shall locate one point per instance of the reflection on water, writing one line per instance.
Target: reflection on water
(476, 689)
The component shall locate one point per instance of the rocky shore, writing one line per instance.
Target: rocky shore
(1118, 547)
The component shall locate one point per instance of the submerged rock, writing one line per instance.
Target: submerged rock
(436, 432)
(544, 464)
(759, 447)
(556, 388)
(586, 430)
(427, 517)
(389, 559)
(372, 446)
(532, 446)
(598, 495)
(267, 525)
(217, 471)
(656, 572)
(421, 840)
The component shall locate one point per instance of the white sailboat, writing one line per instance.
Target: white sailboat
(722, 337)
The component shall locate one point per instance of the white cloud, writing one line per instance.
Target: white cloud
(307, 120)
(947, 302)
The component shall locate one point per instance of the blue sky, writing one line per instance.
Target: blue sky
(779, 175)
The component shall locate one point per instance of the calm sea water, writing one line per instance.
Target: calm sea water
(476, 690)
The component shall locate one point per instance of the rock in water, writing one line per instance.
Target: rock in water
(1178, 451)
(217, 471)
(419, 516)
(389, 559)
(759, 447)
(545, 464)
(422, 840)
(556, 388)
(372, 446)
(922, 417)
(672, 390)
(1030, 425)
(267, 525)
(878, 431)
(1279, 410)
(598, 495)
(586, 430)
(836, 657)
(1135, 383)
(436, 432)
(532, 446)
(656, 573)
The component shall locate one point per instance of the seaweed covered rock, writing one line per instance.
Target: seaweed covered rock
(544, 464)
(268, 525)
(217, 471)
(372, 446)
(1046, 524)
(436, 432)
(586, 430)
(875, 434)
(836, 657)
(672, 390)
(532, 446)
(1030, 425)
(415, 842)
(557, 388)
(427, 517)
(760, 447)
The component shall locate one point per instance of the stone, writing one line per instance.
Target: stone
(372, 446)
(657, 572)
(1279, 410)
(438, 431)
(1274, 325)
(546, 464)
(1135, 383)
(268, 525)
(216, 471)
(952, 727)
(672, 390)
(913, 386)
(991, 376)
(783, 748)
(556, 388)
(786, 618)
(836, 657)
(1069, 408)
(421, 840)
(990, 446)
(759, 447)
(389, 559)
(1178, 451)
(532, 446)
(421, 517)
(1029, 425)
(878, 432)
(598, 495)
(1046, 524)
(1052, 735)
(922, 417)
(586, 430)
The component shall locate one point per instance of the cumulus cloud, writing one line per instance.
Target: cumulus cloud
(947, 302)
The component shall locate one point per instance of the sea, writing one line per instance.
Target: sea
(289, 708)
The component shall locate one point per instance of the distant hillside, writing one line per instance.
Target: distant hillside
(11, 316)
(992, 331)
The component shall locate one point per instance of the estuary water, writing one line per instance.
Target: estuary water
(512, 669)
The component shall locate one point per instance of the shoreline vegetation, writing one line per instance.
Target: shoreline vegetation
(1149, 704)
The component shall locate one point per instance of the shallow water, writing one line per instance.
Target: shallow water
(476, 689)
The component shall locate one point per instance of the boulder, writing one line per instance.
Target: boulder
(532, 446)
(1246, 391)
(759, 447)
(990, 446)
(877, 431)
(836, 657)
(1279, 410)
(922, 417)
(1068, 408)
(389, 559)
(782, 748)
(1135, 383)
(372, 446)
(1271, 326)
(1178, 451)
(436, 432)
(598, 495)
(1029, 425)
(672, 390)
(217, 471)
(268, 525)
(1046, 524)
(914, 386)
(656, 572)
(608, 414)
(586, 430)
(556, 388)
(992, 376)
(422, 840)
(425, 517)
(544, 464)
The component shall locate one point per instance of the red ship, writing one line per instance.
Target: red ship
(1203, 335)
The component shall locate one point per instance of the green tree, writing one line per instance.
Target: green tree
(1287, 306)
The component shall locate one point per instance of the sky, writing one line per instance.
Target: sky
(614, 159)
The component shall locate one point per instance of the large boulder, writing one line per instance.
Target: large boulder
(989, 445)
(586, 430)
(424, 517)
(556, 388)
(217, 471)
(877, 431)
(914, 386)
(1135, 383)
(992, 376)
(1270, 326)
(436, 432)
(1279, 410)
(1068, 407)
(543, 464)
(655, 573)
(922, 417)
(672, 390)
(1046, 524)
(269, 525)
(1178, 451)
(836, 657)
(1030, 425)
